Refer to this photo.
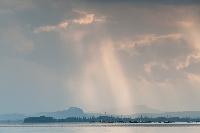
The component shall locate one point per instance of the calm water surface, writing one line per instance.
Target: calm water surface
(99, 128)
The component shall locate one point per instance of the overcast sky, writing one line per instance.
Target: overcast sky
(99, 55)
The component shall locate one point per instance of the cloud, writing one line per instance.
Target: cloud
(149, 39)
(84, 19)
(193, 78)
(148, 66)
(189, 59)
(185, 23)
(191, 32)
(87, 18)
(61, 26)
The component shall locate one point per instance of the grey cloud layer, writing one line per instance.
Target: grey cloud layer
(176, 2)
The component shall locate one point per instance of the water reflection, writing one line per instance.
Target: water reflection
(98, 129)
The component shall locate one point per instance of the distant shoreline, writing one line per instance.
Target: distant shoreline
(111, 119)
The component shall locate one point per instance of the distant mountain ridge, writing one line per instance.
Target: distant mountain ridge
(70, 112)
(145, 109)
(141, 110)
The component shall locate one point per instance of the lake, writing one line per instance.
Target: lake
(100, 128)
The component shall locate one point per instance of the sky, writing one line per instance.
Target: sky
(99, 55)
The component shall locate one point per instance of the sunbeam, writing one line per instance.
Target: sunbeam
(118, 83)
